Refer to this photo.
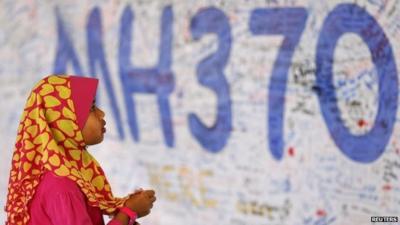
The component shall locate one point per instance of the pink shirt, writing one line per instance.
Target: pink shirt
(58, 200)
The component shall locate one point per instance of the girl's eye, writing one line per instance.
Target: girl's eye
(93, 108)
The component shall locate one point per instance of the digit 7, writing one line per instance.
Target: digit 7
(290, 23)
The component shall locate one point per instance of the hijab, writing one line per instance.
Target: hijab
(50, 139)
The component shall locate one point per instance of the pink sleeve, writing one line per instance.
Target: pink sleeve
(68, 209)
(58, 200)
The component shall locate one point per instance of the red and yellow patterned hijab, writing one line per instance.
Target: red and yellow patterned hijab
(50, 139)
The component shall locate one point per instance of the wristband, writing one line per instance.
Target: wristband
(130, 213)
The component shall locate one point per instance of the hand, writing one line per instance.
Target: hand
(141, 202)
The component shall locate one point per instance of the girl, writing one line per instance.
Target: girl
(53, 179)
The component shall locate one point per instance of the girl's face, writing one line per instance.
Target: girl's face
(93, 131)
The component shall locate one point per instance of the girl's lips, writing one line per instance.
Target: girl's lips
(104, 129)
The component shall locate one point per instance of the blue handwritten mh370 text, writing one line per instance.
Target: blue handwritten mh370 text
(159, 80)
